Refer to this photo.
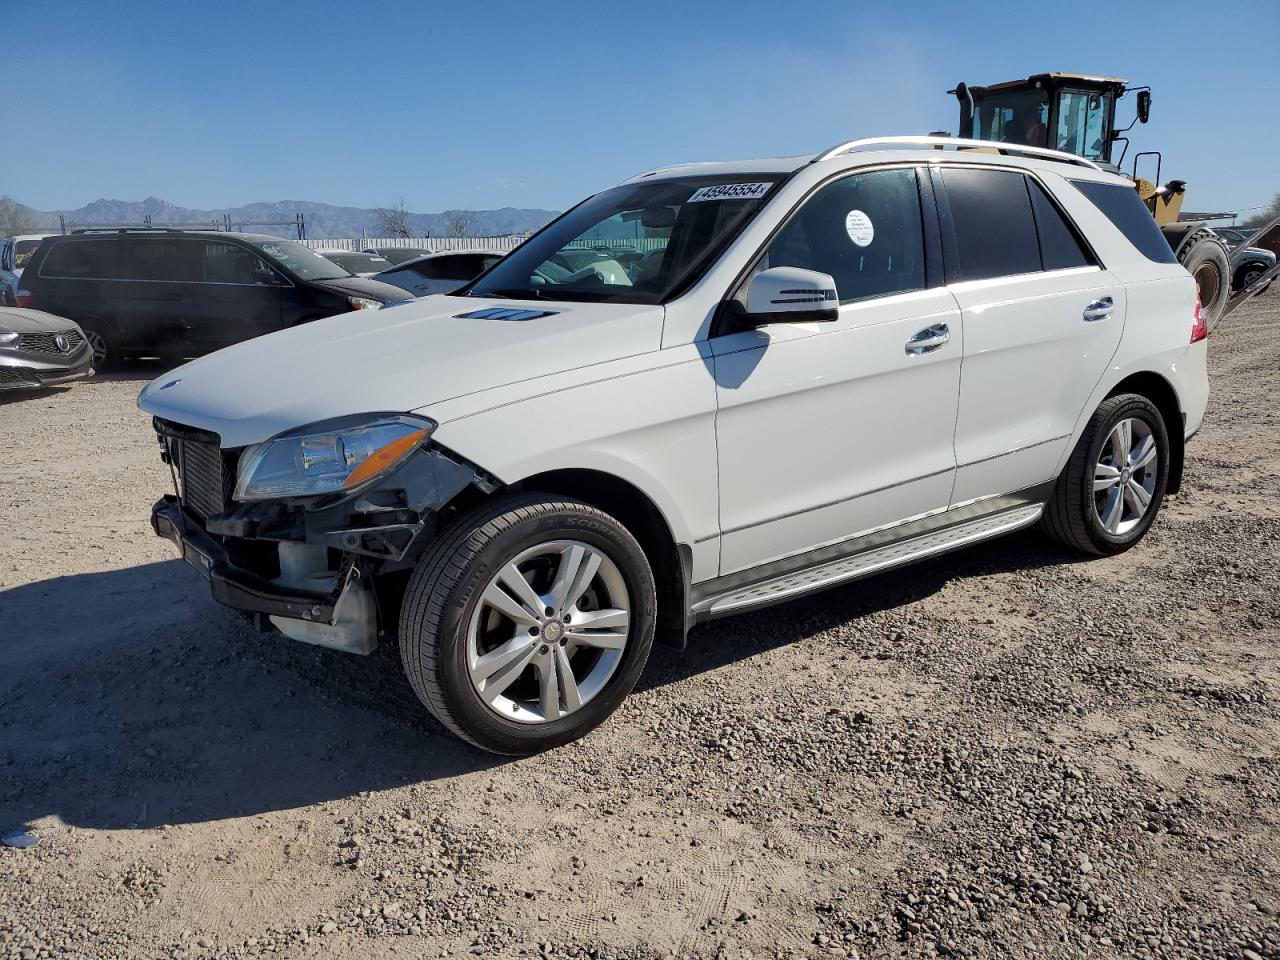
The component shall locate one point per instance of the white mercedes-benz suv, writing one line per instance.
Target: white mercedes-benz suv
(710, 388)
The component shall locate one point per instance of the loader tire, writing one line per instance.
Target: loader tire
(1205, 258)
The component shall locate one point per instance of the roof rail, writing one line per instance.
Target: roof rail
(182, 229)
(933, 141)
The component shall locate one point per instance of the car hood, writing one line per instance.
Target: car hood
(24, 320)
(400, 358)
(362, 287)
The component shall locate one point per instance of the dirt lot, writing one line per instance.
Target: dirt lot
(1009, 752)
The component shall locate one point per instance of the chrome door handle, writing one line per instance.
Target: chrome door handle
(1100, 309)
(928, 339)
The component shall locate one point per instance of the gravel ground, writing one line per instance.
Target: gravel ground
(1008, 752)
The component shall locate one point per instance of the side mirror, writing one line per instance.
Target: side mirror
(1144, 106)
(791, 295)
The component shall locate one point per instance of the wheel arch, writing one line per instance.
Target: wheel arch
(670, 560)
(1161, 392)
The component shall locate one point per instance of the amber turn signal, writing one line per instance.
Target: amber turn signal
(384, 457)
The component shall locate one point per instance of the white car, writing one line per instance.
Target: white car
(796, 372)
(356, 262)
(442, 272)
(14, 252)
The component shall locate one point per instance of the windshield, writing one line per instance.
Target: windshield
(1012, 116)
(301, 260)
(638, 243)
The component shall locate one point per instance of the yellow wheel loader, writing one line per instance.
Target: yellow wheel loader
(1076, 113)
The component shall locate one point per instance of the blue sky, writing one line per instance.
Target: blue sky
(491, 104)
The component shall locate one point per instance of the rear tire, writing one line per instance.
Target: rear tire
(1205, 258)
(1083, 512)
(492, 667)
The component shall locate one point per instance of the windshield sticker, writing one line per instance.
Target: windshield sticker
(860, 228)
(731, 191)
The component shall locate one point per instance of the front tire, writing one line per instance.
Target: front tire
(104, 343)
(528, 622)
(1108, 495)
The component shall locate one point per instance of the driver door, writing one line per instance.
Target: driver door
(830, 430)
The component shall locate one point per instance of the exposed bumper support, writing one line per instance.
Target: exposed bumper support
(232, 585)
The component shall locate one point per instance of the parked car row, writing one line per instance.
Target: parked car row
(176, 294)
(182, 293)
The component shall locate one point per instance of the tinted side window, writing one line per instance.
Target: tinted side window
(87, 259)
(1060, 247)
(994, 227)
(165, 259)
(228, 263)
(1125, 209)
(864, 230)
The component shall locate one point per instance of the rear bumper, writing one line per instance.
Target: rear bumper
(231, 585)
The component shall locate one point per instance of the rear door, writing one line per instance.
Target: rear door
(238, 295)
(1042, 319)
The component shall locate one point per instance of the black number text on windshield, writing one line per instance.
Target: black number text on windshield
(640, 243)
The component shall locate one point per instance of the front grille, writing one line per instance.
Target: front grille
(206, 473)
(204, 479)
(47, 343)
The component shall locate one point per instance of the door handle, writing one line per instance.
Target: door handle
(928, 339)
(1100, 309)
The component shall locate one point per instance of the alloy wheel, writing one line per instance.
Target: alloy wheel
(98, 344)
(1124, 478)
(548, 632)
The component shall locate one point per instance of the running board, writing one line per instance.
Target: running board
(869, 561)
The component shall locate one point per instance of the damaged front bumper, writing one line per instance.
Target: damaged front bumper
(232, 585)
(308, 566)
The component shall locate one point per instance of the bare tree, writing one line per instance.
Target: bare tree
(1267, 215)
(459, 223)
(393, 221)
(14, 218)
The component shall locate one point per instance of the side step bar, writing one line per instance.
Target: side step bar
(867, 562)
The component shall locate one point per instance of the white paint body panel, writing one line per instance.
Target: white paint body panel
(827, 430)
(1030, 360)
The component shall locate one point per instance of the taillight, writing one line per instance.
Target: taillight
(1199, 329)
(23, 297)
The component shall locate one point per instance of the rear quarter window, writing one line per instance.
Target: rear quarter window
(99, 259)
(1124, 208)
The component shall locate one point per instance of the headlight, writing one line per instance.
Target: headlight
(363, 303)
(7, 336)
(328, 458)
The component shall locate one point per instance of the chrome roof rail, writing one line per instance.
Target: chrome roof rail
(934, 141)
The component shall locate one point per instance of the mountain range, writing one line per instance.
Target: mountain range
(323, 220)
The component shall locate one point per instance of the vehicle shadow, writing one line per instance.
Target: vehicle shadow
(130, 698)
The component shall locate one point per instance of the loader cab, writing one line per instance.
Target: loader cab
(1061, 111)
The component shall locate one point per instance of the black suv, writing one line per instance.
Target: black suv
(180, 294)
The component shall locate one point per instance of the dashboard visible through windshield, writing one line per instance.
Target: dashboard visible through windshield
(637, 243)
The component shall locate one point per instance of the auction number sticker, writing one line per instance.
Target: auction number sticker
(860, 228)
(731, 191)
